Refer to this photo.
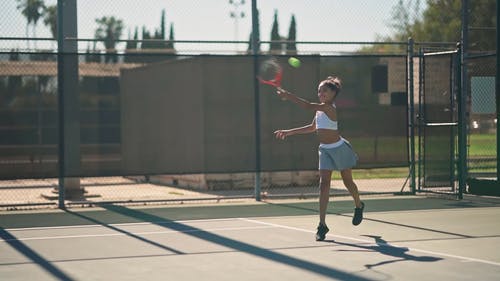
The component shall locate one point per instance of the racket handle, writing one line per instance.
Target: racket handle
(281, 90)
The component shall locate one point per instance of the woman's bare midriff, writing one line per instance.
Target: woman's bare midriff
(328, 136)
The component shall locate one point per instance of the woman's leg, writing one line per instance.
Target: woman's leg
(351, 186)
(353, 189)
(324, 193)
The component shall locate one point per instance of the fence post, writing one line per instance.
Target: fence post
(498, 95)
(60, 99)
(68, 101)
(462, 99)
(255, 54)
(420, 117)
(411, 118)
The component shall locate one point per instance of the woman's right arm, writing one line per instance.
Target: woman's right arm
(286, 95)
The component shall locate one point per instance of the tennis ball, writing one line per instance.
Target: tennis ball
(294, 62)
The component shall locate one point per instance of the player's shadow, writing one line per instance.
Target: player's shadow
(383, 247)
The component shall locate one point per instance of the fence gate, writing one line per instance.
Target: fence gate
(438, 122)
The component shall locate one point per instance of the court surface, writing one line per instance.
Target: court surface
(401, 238)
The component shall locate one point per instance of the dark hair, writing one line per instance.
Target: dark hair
(333, 83)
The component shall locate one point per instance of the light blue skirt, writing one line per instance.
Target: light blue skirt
(337, 156)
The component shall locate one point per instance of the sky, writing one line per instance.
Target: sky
(317, 20)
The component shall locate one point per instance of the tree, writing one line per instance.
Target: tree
(33, 11)
(108, 31)
(162, 24)
(171, 39)
(131, 47)
(482, 22)
(159, 34)
(132, 44)
(146, 36)
(442, 22)
(404, 18)
(275, 46)
(291, 47)
(50, 19)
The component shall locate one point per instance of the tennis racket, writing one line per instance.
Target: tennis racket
(270, 73)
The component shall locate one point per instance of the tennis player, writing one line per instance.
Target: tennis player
(335, 152)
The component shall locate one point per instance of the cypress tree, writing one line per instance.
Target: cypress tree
(292, 36)
(170, 44)
(145, 36)
(275, 47)
(162, 25)
(130, 44)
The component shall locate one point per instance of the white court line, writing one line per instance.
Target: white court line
(135, 233)
(268, 225)
(115, 224)
(371, 242)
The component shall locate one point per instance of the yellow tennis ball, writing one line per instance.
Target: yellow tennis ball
(294, 62)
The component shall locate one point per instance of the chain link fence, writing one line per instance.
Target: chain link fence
(481, 72)
(223, 26)
(166, 107)
(482, 114)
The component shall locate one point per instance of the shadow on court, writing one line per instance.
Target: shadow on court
(345, 210)
(33, 256)
(383, 247)
(233, 244)
(127, 233)
(34, 249)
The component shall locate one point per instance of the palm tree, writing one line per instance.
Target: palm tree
(108, 31)
(50, 19)
(33, 11)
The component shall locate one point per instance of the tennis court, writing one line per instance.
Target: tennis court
(401, 238)
(150, 156)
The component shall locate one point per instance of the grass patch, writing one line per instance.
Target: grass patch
(482, 145)
(482, 153)
(381, 173)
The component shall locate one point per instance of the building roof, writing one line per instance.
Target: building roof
(49, 68)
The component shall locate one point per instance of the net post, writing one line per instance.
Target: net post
(411, 118)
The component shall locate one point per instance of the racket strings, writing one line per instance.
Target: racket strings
(270, 73)
(269, 70)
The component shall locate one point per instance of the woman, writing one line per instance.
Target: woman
(335, 152)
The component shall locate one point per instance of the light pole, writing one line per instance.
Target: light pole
(236, 14)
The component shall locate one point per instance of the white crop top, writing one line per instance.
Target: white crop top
(324, 122)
